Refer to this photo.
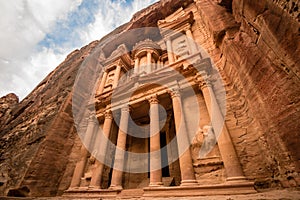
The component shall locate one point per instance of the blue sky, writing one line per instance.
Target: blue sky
(65, 31)
(37, 35)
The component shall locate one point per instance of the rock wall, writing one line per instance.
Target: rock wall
(7, 104)
(254, 44)
(38, 134)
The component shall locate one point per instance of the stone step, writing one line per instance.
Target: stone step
(130, 193)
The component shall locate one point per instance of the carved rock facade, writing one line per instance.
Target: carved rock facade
(254, 46)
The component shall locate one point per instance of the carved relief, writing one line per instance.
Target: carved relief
(180, 46)
(205, 143)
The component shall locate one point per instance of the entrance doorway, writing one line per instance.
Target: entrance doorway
(164, 155)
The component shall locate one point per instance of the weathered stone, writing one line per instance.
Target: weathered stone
(255, 46)
(7, 104)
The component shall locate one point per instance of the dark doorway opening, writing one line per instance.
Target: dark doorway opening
(164, 155)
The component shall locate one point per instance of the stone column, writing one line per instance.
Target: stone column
(104, 137)
(102, 83)
(170, 51)
(80, 166)
(136, 65)
(185, 159)
(117, 76)
(158, 64)
(116, 180)
(149, 62)
(231, 162)
(191, 41)
(155, 155)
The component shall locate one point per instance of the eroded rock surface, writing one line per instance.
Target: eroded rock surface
(7, 103)
(254, 44)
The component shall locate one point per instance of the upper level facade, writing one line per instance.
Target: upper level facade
(166, 58)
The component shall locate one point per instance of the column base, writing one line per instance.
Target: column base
(188, 183)
(115, 187)
(94, 187)
(236, 178)
(156, 184)
(73, 188)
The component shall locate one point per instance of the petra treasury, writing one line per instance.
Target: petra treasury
(190, 99)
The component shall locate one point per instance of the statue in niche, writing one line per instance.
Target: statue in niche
(91, 167)
(209, 141)
(206, 140)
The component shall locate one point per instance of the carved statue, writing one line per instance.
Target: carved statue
(209, 141)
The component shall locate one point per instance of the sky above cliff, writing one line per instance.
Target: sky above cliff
(37, 35)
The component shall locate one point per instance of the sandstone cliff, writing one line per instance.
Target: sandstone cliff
(38, 134)
(254, 44)
(7, 103)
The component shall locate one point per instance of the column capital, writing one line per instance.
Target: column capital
(174, 93)
(153, 99)
(136, 57)
(168, 38)
(126, 108)
(203, 80)
(105, 70)
(92, 118)
(151, 51)
(108, 114)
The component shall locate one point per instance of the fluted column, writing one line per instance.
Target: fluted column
(102, 83)
(230, 159)
(104, 137)
(191, 41)
(185, 159)
(117, 76)
(136, 65)
(149, 62)
(80, 166)
(170, 51)
(155, 155)
(116, 180)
